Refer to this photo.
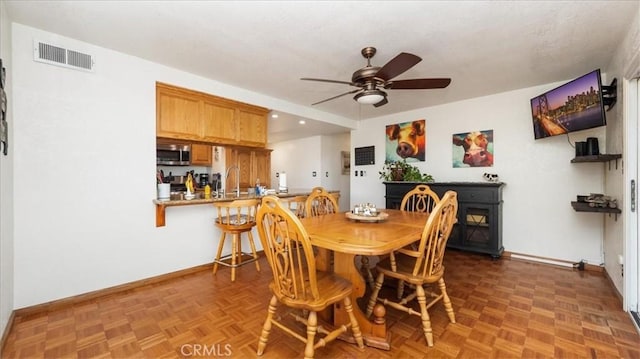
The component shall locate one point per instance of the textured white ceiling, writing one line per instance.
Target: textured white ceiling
(485, 47)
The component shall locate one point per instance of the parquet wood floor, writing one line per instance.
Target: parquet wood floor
(504, 309)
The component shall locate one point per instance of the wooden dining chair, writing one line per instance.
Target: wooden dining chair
(296, 282)
(296, 204)
(420, 199)
(320, 202)
(235, 218)
(423, 266)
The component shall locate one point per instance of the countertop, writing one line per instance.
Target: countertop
(179, 200)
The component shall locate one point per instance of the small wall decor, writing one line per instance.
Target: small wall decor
(365, 155)
(345, 160)
(4, 127)
(406, 140)
(473, 149)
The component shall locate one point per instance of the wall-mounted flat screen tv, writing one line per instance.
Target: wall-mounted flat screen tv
(575, 106)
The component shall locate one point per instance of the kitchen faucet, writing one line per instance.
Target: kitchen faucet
(237, 168)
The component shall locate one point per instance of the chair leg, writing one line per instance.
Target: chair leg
(400, 289)
(220, 245)
(234, 256)
(424, 315)
(266, 328)
(374, 294)
(312, 328)
(355, 328)
(446, 301)
(364, 263)
(253, 250)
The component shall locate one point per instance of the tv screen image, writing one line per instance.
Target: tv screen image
(575, 106)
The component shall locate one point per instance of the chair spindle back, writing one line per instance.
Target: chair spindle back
(288, 250)
(431, 249)
(420, 199)
(320, 202)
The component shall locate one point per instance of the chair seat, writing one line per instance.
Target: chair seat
(404, 270)
(334, 289)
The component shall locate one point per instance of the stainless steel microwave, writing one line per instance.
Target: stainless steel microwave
(173, 155)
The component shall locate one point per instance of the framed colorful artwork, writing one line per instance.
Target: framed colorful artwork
(406, 140)
(473, 149)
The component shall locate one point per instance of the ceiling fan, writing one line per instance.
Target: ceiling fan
(370, 80)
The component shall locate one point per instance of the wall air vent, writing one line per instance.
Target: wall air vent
(56, 55)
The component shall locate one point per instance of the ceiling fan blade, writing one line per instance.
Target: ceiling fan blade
(418, 84)
(335, 97)
(325, 80)
(399, 64)
(382, 102)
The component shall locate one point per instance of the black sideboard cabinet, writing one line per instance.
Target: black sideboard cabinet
(479, 227)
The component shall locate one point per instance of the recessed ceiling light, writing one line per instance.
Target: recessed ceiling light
(275, 115)
(302, 122)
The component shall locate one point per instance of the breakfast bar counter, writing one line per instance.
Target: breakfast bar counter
(200, 198)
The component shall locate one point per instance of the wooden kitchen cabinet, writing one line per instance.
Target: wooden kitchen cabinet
(201, 155)
(262, 161)
(254, 164)
(192, 115)
(178, 114)
(252, 127)
(218, 121)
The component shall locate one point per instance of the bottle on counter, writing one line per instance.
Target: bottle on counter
(257, 186)
(207, 191)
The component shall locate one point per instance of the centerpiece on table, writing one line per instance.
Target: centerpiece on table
(400, 170)
(366, 212)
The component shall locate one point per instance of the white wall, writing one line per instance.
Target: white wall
(298, 159)
(6, 183)
(84, 174)
(301, 157)
(332, 165)
(621, 64)
(540, 180)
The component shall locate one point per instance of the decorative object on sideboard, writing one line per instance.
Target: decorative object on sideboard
(4, 126)
(491, 177)
(403, 171)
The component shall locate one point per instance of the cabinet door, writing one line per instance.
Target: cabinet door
(252, 128)
(177, 114)
(262, 161)
(476, 219)
(218, 122)
(246, 171)
(201, 155)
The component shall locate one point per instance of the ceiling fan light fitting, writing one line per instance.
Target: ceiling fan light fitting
(370, 97)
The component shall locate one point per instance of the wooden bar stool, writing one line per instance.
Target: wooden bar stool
(234, 218)
(296, 204)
